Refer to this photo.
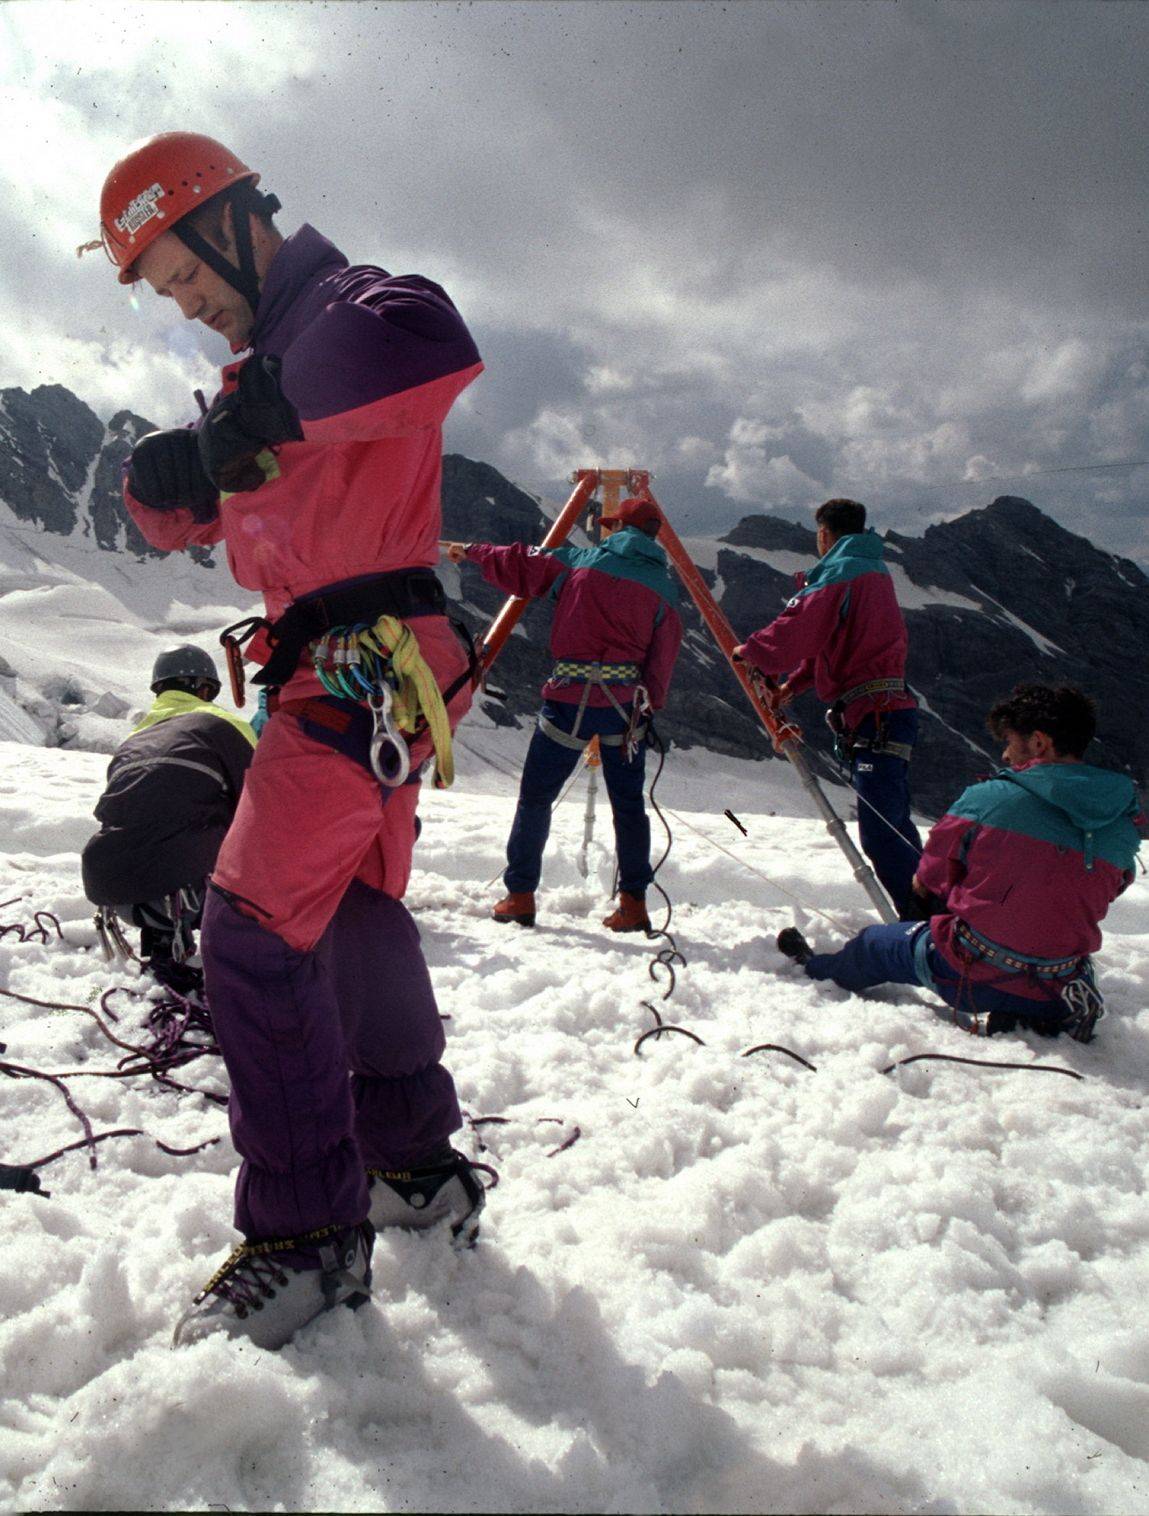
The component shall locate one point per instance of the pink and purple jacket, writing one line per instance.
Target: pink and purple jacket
(842, 629)
(616, 604)
(372, 362)
(1031, 861)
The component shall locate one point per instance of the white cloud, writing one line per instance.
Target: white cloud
(748, 474)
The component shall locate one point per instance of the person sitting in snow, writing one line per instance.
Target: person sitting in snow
(843, 633)
(1015, 877)
(319, 464)
(615, 638)
(172, 790)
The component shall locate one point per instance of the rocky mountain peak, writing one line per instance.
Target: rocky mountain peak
(993, 597)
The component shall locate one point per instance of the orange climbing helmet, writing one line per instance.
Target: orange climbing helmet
(155, 184)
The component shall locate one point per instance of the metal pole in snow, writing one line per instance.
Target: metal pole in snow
(593, 761)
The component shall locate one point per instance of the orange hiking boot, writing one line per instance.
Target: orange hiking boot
(517, 908)
(629, 915)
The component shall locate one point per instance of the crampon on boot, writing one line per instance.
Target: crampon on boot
(268, 1291)
(794, 945)
(629, 915)
(517, 908)
(443, 1188)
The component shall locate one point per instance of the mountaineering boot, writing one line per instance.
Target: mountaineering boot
(629, 915)
(794, 945)
(443, 1187)
(267, 1291)
(517, 908)
(185, 978)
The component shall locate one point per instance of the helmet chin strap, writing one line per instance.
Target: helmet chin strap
(242, 277)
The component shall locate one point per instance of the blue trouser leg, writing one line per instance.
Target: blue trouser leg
(886, 955)
(549, 765)
(878, 955)
(882, 782)
(624, 784)
(546, 770)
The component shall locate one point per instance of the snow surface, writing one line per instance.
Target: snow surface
(746, 1286)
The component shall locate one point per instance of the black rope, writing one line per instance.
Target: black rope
(665, 958)
(983, 1063)
(776, 1047)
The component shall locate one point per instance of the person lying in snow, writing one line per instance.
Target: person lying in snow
(843, 633)
(1017, 876)
(319, 465)
(172, 790)
(615, 638)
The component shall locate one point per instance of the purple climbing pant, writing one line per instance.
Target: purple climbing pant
(333, 1057)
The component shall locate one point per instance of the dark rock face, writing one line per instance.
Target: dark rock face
(111, 524)
(47, 442)
(1037, 603)
(772, 532)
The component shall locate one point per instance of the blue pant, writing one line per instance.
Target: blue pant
(549, 765)
(904, 953)
(882, 783)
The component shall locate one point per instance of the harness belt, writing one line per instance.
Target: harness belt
(572, 740)
(402, 594)
(903, 750)
(566, 670)
(872, 687)
(981, 947)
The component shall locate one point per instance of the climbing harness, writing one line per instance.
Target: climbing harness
(977, 947)
(403, 593)
(383, 665)
(847, 745)
(890, 686)
(1082, 1002)
(601, 676)
(567, 670)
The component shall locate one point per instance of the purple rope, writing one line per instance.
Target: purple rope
(17, 1071)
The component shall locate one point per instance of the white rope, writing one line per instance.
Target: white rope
(781, 888)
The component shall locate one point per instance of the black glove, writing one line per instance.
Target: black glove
(257, 414)
(922, 907)
(165, 473)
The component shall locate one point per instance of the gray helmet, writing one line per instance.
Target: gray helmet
(185, 662)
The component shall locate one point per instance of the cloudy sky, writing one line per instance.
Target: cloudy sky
(886, 248)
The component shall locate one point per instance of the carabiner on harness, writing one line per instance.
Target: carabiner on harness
(639, 723)
(113, 944)
(390, 755)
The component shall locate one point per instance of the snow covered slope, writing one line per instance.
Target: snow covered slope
(742, 1286)
(80, 628)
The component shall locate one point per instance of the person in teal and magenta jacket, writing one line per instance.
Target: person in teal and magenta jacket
(1016, 877)
(844, 634)
(615, 638)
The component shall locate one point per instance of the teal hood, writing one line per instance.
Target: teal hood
(1090, 798)
(851, 556)
(626, 554)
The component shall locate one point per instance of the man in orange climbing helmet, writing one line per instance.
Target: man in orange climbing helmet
(319, 465)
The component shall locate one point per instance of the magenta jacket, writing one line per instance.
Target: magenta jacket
(615, 604)
(373, 363)
(842, 629)
(1031, 860)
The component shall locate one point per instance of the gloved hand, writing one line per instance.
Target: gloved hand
(165, 473)
(257, 414)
